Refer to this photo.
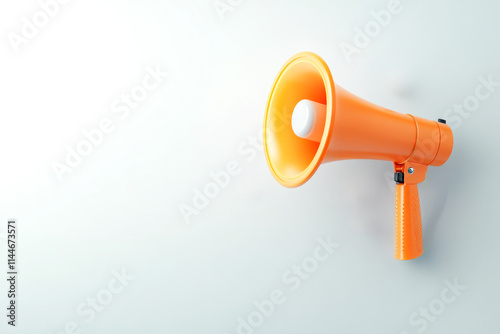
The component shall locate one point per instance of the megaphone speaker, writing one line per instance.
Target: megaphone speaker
(310, 120)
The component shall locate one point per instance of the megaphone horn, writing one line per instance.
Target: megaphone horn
(324, 122)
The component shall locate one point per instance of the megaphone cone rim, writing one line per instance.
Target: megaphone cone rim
(329, 86)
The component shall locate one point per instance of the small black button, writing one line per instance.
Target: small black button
(399, 177)
(440, 120)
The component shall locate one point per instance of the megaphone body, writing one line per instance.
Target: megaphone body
(310, 120)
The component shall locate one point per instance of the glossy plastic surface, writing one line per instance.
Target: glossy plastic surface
(408, 222)
(352, 129)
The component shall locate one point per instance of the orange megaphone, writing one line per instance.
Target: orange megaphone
(310, 120)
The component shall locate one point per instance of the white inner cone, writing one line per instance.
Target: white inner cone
(308, 120)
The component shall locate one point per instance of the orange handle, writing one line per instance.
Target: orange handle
(408, 222)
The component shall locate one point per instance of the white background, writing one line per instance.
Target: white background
(119, 209)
